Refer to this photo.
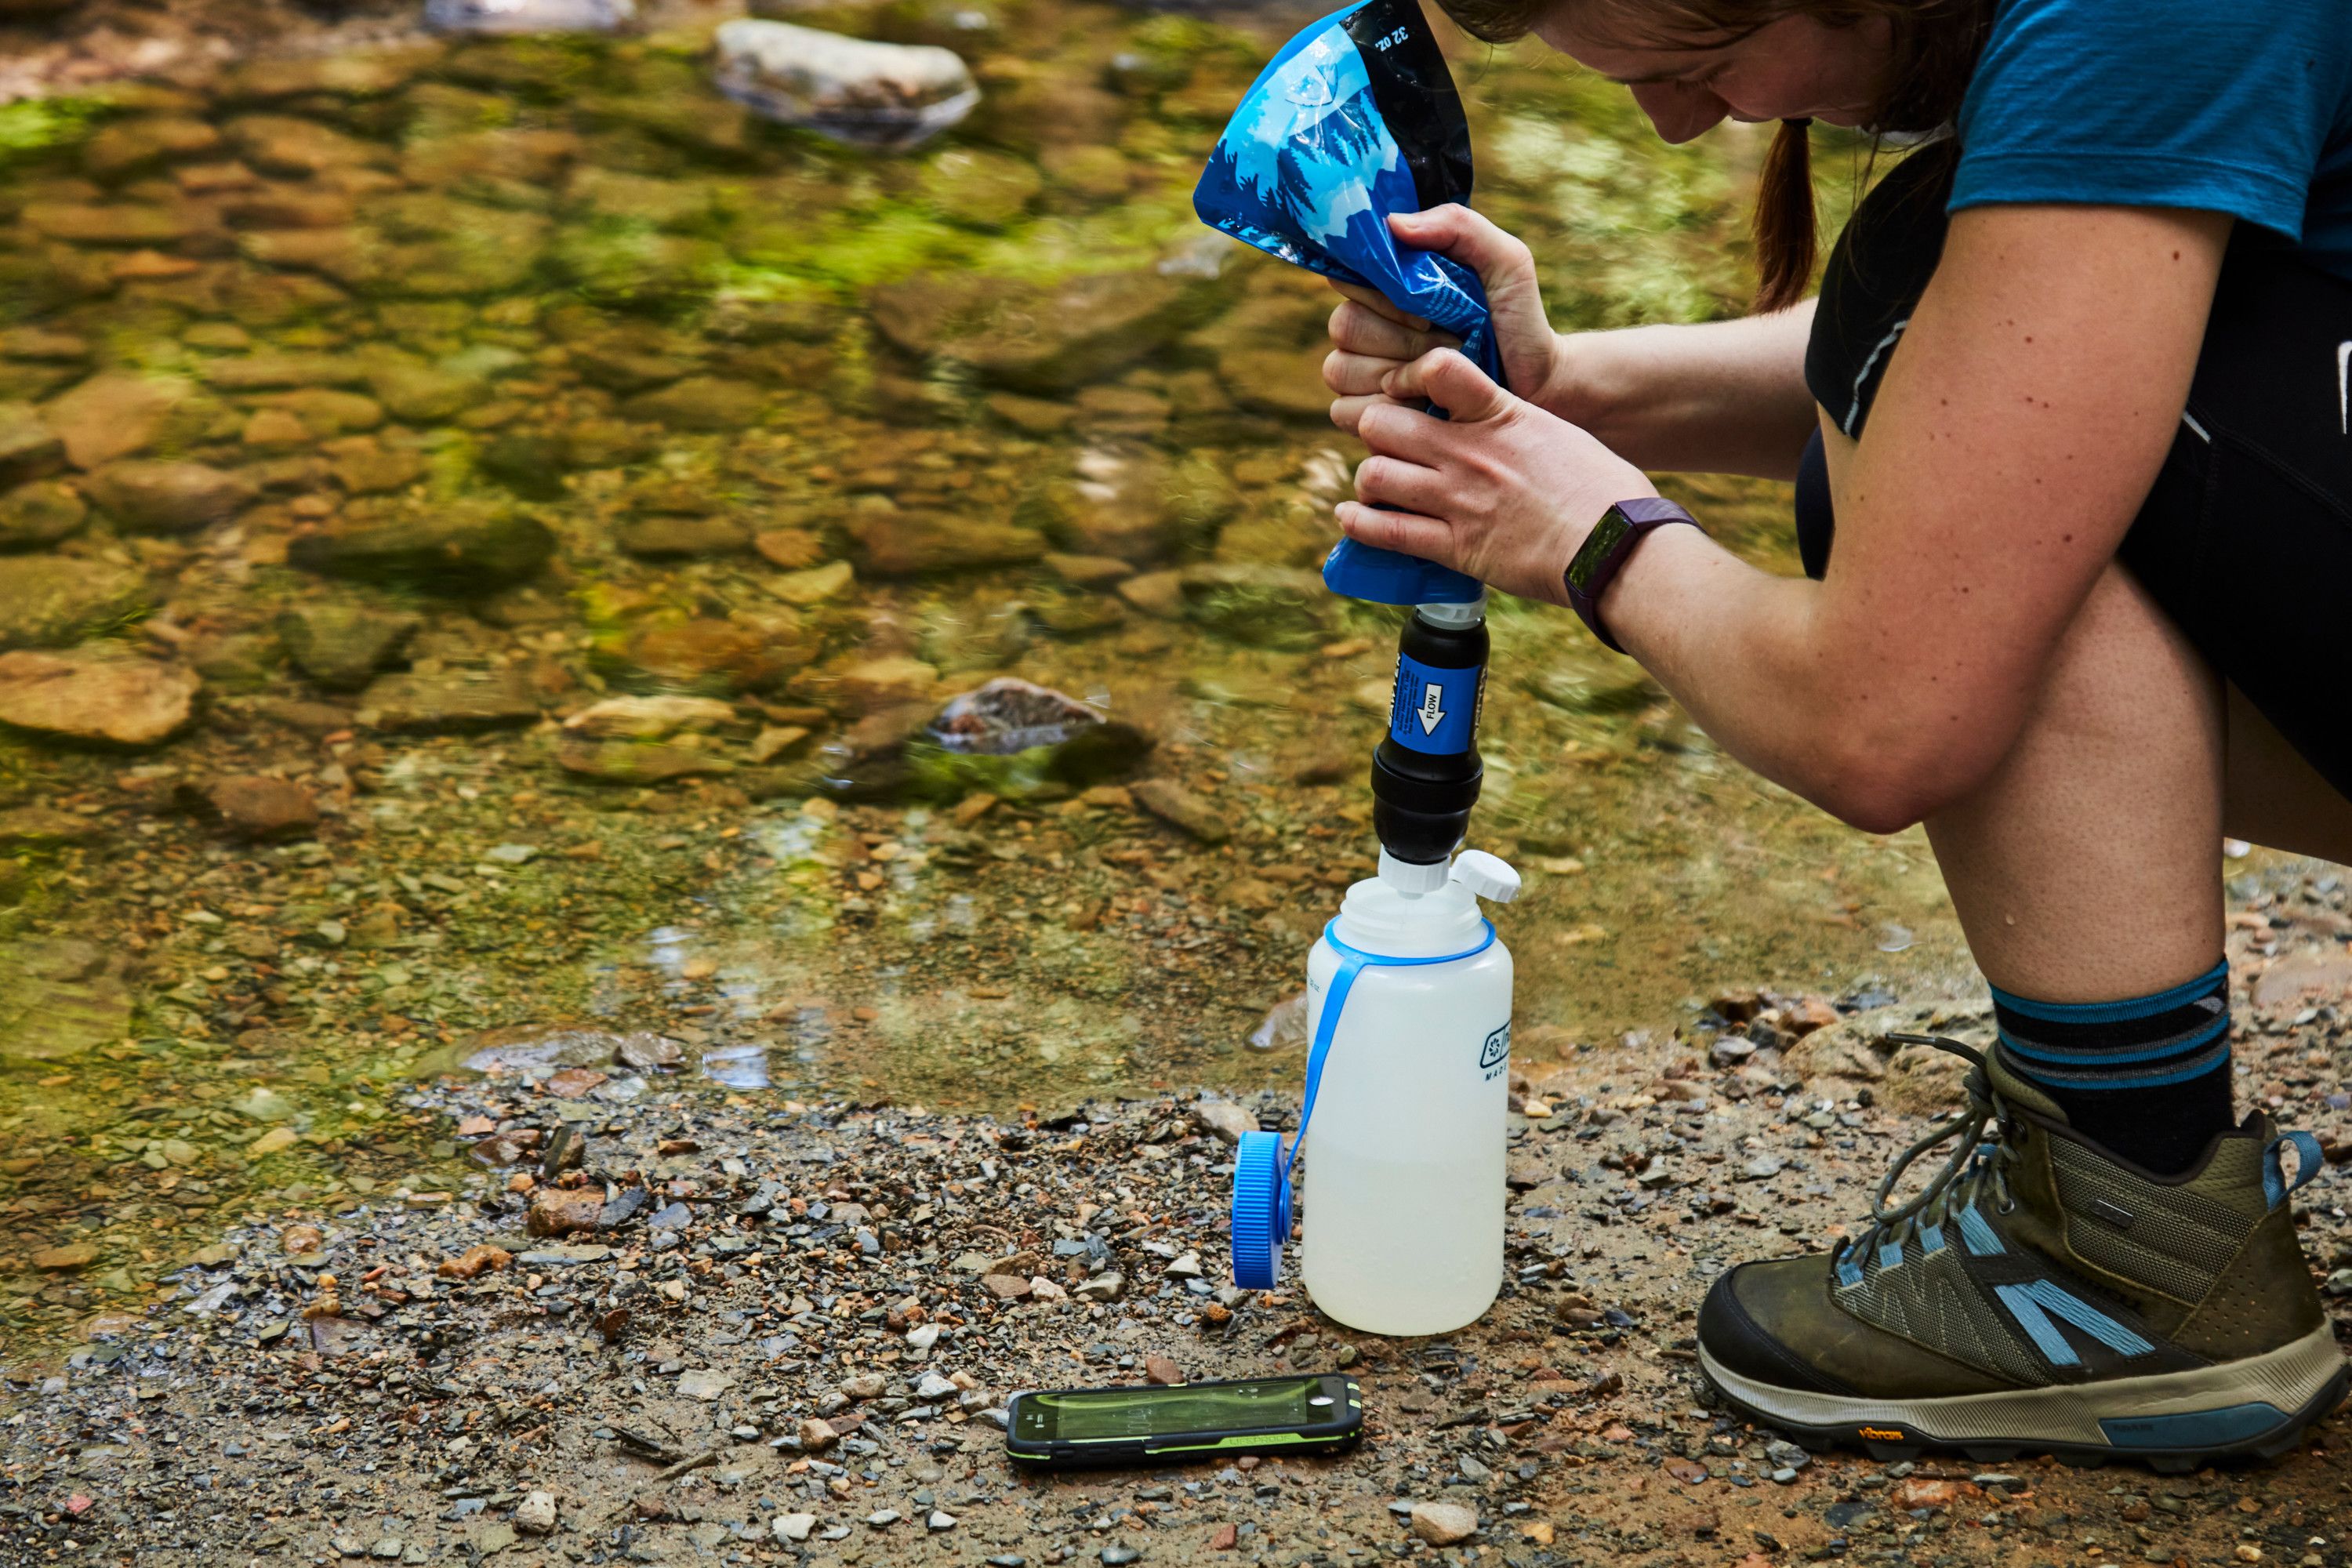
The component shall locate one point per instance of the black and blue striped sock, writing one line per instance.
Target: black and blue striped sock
(2146, 1077)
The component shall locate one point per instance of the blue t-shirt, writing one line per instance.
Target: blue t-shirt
(2236, 106)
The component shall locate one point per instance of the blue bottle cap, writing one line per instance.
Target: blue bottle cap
(1261, 1211)
(1390, 577)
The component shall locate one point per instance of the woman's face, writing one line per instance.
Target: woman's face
(1794, 68)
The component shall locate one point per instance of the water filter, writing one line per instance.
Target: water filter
(1409, 1000)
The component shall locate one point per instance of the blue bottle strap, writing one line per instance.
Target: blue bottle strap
(1353, 961)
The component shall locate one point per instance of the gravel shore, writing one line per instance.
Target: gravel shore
(663, 1323)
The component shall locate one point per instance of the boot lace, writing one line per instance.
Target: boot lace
(1979, 1165)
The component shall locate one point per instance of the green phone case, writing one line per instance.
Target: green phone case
(1189, 1420)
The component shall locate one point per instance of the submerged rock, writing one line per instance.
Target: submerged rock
(152, 497)
(707, 655)
(463, 547)
(1011, 738)
(649, 718)
(894, 543)
(29, 448)
(450, 702)
(1265, 606)
(505, 17)
(60, 998)
(115, 414)
(852, 89)
(254, 806)
(98, 693)
(342, 647)
(41, 513)
(1045, 337)
(633, 762)
(1010, 716)
(48, 601)
(1134, 506)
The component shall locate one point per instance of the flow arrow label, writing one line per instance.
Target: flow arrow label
(1435, 708)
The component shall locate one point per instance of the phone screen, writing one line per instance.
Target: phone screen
(1077, 1416)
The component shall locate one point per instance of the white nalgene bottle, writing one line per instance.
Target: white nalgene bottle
(1403, 1198)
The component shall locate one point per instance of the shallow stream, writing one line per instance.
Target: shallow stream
(523, 376)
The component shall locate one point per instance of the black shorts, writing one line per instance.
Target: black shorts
(2245, 538)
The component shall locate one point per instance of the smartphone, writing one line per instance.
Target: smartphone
(1314, 1415)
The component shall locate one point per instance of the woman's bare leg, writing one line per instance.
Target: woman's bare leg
(2088, 867)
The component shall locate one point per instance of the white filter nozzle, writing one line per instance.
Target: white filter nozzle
(1487, 876)
(1406, 877)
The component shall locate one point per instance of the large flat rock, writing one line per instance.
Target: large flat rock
(96, 694)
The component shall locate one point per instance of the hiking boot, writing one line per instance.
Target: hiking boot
(2040, 1295)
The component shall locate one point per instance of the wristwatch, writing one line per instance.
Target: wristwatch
(1604, 552)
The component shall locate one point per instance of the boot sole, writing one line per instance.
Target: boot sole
(2253, 1408)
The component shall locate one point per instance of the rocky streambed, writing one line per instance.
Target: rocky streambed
(653, 1326)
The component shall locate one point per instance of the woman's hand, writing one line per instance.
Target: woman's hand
(1502, 490)
(1372, 337)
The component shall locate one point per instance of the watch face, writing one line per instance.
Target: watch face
(1598, 546)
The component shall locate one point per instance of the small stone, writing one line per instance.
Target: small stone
(670, 535)
(558, 1211)
(895, 544)
(1117, 1556)
(450, 702)
(1105, 1287)
(110, 415)
(816, 1435)
(342, 647)
(276, 1141)
(940, 1520)
(466, 547)
(865, 93)
(700, 403)
(1159, 1369)
(50, 600)
(38, 513)
(96, 693)
(704, 1383)
(1178, 807)
(257, 807)
(1225, 1119)
(1443, 1523)
(935, 1386)
(66, 1259)
(474, 1260)
(1006, 1287)
(794, 1526)
(535, 1515)
(882, 1519)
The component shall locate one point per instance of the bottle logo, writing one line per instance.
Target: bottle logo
(1497, 1050)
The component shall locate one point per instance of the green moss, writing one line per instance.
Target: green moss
(38, 125)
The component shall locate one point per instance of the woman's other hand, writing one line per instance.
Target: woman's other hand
(1502, 490)
(1372, 338)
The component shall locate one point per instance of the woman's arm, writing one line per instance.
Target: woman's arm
(1716, 397)
(2018, 430)
(1713, 397)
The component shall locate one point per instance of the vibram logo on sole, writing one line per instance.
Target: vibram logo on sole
(1884, 1433)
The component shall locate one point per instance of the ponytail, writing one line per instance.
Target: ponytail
(1784, 218)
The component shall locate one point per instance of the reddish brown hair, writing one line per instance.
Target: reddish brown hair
(1935, 45)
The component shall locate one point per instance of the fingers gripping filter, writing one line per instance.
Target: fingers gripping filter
(1262, 1163)
(1354, 120)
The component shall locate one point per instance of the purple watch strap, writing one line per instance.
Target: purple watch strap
(1588, 575)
